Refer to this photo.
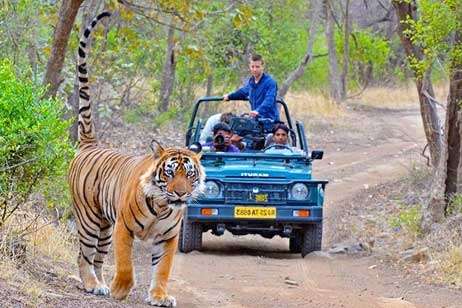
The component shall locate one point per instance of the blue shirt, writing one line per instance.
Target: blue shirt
(262, 96)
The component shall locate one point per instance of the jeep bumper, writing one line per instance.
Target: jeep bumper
(225, 213)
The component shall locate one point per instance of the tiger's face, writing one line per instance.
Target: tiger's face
(177, 177)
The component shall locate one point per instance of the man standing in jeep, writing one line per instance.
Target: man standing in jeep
(260, 89)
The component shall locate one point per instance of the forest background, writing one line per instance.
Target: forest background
(153, 59)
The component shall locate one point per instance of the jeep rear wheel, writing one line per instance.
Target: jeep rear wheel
(295, 242)
(190, 236)
(312, 239)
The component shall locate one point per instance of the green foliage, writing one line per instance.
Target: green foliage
(366, 49)
(26, 33)
(455, 205)
(166, 116)
(408, 219)
(432, 31)
(34, 147)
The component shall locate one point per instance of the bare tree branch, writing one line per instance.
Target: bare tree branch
(432, 99)
(18, 164)
(312, 30)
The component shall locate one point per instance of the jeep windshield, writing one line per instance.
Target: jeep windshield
(253, 136)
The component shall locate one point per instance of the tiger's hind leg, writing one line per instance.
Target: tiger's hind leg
(88, 226)
(102, 248)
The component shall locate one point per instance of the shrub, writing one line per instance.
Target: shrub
(408, 219)
(34, 146)
(455, 205)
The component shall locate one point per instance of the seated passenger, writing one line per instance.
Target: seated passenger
(280, 141)
(222, 139)
(206, 134)
(281, 134)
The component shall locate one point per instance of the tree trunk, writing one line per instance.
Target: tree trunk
(67, 14)
(209, 88)
(298, 72)
(346, 51)
(454, 119)
(168, 74)
(430, 118)
(334, 81)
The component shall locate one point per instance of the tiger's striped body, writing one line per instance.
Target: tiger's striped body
(119, 197)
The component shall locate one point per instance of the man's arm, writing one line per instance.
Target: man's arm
(269, 100)
(240, 94)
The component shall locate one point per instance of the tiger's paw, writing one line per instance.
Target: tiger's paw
(165, 301)
(121, 287)
(101, 290)
(96, 288)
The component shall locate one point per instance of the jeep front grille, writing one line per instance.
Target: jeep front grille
(248, 192)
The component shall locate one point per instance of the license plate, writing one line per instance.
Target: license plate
(254, 212)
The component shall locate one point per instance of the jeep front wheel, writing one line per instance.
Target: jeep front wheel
(312, 238)
(190, 236)
(295, 242)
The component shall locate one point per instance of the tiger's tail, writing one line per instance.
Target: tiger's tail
(86, 129)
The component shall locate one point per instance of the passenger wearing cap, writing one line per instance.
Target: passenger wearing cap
(221, 142)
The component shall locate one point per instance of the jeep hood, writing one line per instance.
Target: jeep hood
(258, 169)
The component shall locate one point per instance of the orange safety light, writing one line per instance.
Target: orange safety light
(301, 213)
(209, 212)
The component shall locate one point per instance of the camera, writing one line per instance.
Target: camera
(219, 143)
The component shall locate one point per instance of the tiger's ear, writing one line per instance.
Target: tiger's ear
(199, 156)
(157, 148)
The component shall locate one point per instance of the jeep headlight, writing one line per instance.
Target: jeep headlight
(212, 189)
(299, 192)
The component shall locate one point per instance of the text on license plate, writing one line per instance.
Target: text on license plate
(254, 212)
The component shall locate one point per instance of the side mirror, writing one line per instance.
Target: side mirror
(196, 147)
(317, 154)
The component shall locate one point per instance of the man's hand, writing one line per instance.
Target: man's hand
(226, 97)
(253, 113)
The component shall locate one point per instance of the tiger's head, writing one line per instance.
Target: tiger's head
(176, 176)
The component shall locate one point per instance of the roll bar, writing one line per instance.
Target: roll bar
(205, 99)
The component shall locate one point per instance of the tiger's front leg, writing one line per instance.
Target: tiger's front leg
(123, 280)
(162, 261)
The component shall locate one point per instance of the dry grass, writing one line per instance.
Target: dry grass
(31, 246)
(55, 242)
(451, 266)
(26, 235)
(7, 268)
(398, 97)
(319, 105)
(314, 105)
(18, 278)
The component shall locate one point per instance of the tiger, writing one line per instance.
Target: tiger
(118, 197)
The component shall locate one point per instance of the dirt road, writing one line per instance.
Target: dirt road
(252, 271)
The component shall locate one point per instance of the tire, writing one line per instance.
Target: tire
(190, 236)
(312, 239)
(295, 242)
